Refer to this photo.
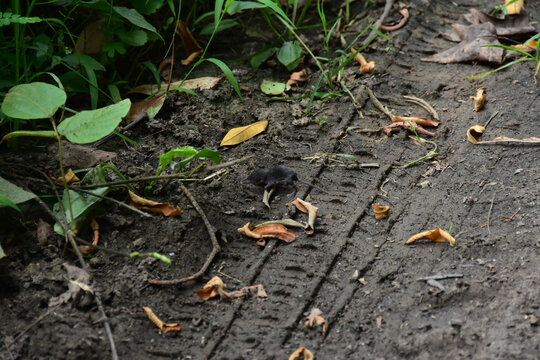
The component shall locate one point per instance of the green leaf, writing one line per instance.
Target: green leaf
(224, 25)
(86, 61)
(4, 201)
(147, 7)
(90, 126)
(228, 73)
(274, 88)
(81, 205)
(238, 6)
(135, 18)
(11, 194)
(36, 100)
(7, 18)
(136, 37)
(188, 152)
(2, 253)
(261, 56)
(272, 5)
(290, 54)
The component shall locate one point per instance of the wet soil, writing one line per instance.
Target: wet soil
(354, 268)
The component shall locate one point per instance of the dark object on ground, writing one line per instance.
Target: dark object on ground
(270, 177)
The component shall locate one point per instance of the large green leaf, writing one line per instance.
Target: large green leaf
(81, 206)
(36, 100)
(90, 126)
(135, 18)
(147, 7)
(290, 54)
(238, 6)
(13, 194)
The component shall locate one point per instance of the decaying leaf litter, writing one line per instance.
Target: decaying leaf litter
(382, 322)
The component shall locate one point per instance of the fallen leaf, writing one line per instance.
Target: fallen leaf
(302, 353)
(474, 133)
(160, 324)
(191, 46)
(76, 277)
(509, 26)
(277, 231)
(240, 134)
(296, 77)
(210, 289)
(80, 156)
(152, 206)
(415, 120)
(379, 321)
(530, 46)
(148, 107)
(362, 281)
(255, 290)
(69, 176)
(285, 222)
(380, 211)
(202, 83)
(274, 88)
(436, 235)
(514, 7)
(315, 318)
(365, 66)
(479, 98)
(311, 210)
(90, 40)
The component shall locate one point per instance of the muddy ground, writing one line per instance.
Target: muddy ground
(354, 268)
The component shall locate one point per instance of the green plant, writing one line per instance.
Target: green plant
(526, 57)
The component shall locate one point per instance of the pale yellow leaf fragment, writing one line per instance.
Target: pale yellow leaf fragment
(304, 206)
(479, 98)
(211, 288)
(302, 352)
(514, 7)
(380, 210)
(160, 324)
(474, 133)
(436, 235)
(240, 134)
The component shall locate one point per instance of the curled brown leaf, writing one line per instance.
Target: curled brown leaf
(436, 235)
(380, 210)
(315, 318)
(160, 324)
(474, 133)
(479, 98)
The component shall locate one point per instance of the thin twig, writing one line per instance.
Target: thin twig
(33, 324)
(424, 104)
(440, 277)
(124, 205)
(209, 258)
(491, 118)
(178, 176)
(489, 214)
(377, 103)
(379, 22)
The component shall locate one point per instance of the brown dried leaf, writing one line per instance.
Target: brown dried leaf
(304, 206)
(85, 249)
(90, 40)
(152, 206)
(474, 133)
(277, 231)
(436, 235)
(406, 125)
(202, 83)
(241, 134)
(415, 120)
(255, 291)
(380, 211)
(160, 324)
(148, 107)
(69, 176)
(509, 26)
(315, 318)
(479, 98)
(191, 46)
(302, 353)
(298, 76)
(80, 156)
(210, 289)
(515, 7)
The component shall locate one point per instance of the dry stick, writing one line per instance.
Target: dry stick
(422, 103)
(113, 200)
(63, 224)
(164, 177)
(210, 257)
(379, 22)
(377, 103)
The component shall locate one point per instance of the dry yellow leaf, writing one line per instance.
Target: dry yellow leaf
(241, 134)
(304, 206)
(153, 206)
(479, 99)
(210, 289)
(302, 352)
(69, 176)
(515, 7)
(315, 318)
(531, 45)
(474, 133)
(380, 210)
(437, 235)
(160, 324)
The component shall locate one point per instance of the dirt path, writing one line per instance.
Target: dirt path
(490, 310)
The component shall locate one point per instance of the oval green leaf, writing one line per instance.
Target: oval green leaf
(36, 100)
(90, 126)
(274, 88)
